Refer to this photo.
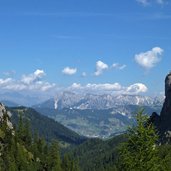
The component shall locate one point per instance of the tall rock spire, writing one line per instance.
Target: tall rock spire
(166, 110)
(168, 83)
(163, 122)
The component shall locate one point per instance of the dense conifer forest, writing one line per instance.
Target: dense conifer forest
(22, 149)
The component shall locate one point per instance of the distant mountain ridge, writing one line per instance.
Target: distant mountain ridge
(93, 101)
(9, 103)
(75, 100)
(97, 115)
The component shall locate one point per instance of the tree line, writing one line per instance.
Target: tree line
(20, 150)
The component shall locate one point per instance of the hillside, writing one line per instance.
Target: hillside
(98, 155)
(20, 150)
(45, 126)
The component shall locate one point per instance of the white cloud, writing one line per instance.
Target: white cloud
(28, 79)
(100, 67)
(34, 83)
(39, 73)
(137, 88)
(104, 87)
(69, 71)
(41, 85)
(97, 87)
(76, 86)
(46, 86)
(150, 58)
(4, 82)
(11, 84)
(31, 82)
(112, 88)
(118, 66)
(16, 86)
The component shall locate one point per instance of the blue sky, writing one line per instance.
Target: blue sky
(106, 45)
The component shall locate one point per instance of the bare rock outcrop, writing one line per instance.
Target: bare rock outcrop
(2, 111)
(163, 122)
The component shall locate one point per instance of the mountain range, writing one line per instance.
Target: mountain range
(97, 115)
(95, 101)
(69, 99)
(91, 115)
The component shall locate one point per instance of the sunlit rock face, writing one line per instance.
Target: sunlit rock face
(2, 111)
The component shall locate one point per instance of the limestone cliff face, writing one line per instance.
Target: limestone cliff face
(2, 110)
(163, 122)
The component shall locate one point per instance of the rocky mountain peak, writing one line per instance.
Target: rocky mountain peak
(166, 110)
(163, 122)
(168, 84)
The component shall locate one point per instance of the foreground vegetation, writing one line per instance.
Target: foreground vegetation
(140, 151)
(137, 149)
(22, 149)
(46, 127)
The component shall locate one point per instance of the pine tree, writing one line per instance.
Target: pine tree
(20, 129)
(54, 161)
(27, 134)
(66, 164)
(19, 151)
(140, 152)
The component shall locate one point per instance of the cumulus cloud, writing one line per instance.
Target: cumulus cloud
(4, 82)
(137, 88)
(150, 58)
(76, 86)
(31, 82)
(100, 68)
(15, 85)
(46, 86)
(27, 79)
(118, 66)
(69, 71)
(105, 87)
(97, 87)
(112, 88)
(40, 86)
(34, 83)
